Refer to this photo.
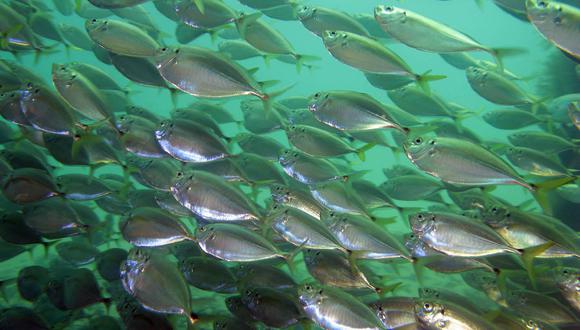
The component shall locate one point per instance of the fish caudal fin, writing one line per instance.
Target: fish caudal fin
(540, 190)
(424, 79)
(360, 152)
(500, 53)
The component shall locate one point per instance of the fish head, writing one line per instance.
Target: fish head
(306, 12)
(205, 233)
(280, 194)
(133, 266)
(309, 294)
(310, 256)
(317, 101)
(496, 216)
(430, 313)
(63, 75)
(418, 146)
(164, 55)
(333, 39)
(569, 278)
(476, 75)
(421, 222)
(234, 303)
(416, 247)
(123, 123)
(544, 10)
(165, 128)
(95, 25)
(428, 293)
(288, 157)
(385, 15)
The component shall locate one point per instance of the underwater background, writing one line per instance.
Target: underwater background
(545, 70)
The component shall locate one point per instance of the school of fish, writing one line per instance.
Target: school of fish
(245, 209)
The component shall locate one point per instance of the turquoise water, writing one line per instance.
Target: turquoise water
(547, 73)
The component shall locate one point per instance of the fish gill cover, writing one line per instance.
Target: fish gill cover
(299, 164)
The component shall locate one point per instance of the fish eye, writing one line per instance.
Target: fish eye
(432, 142)
(389, 8)
(333, 33)
(427, 307)
(94, 20)
(202, 229)
(542, 4)
(418, 140)
(308, 288)
(420, 216)
(317, 95)
(557, 20)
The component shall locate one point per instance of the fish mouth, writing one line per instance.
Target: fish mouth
(385, 14)
(304, 13)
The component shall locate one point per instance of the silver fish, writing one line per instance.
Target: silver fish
(333, 308)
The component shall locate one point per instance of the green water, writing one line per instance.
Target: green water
(489, 25)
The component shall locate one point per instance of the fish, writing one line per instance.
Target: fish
(439, 262)
(156, 283)
(271, 307)
(557, 22)
(549, 143)
(151, 227)
(370, 56)
(211, 13)
(31, 282)
(540, 306)
(302, 230)
(523, 230)
(296, 196)
(108, 263)
(332, 308)
(320, 19)
(423, 33)
(121, 38)
(77, 253)
(498, 89)
(363, 238)
(200, 72)
(396, 312)
(567, 280)
(307, 169)
(112, 4)
(211, 197)
(536, 162)
(457, 235)
(264, 146)
(461, 162)
(411, 187)
(187, 141)
(351, 111)
(318, 142)
(208, 274)
(437, 315)
(254, 275)
(510, 119)
(267, 39)
(231, 242)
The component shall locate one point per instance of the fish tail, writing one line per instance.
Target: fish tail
(384, 290)
(289, 258)
(424, 79)
(267, 98)
(360, 152)
(499, 53)
(301, 58)
(528, 256)
(540, 190)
